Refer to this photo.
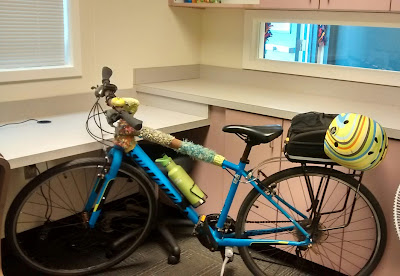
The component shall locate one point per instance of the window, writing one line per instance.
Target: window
(339, 48)
(354, 46)
(37, 41)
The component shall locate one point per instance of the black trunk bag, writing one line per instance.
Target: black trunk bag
(305, 141)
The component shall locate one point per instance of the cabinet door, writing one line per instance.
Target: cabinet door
(357, 5)
(289, 4)
(234, 148)
(395, 5)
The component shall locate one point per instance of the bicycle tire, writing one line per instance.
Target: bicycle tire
(133, 215)
(369, 247)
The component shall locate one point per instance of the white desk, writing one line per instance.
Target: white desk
(31, 143)
(261, 100)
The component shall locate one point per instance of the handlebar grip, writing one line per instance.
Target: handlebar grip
(132, 121)
(106, 73)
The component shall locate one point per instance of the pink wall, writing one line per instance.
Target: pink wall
(207, 176)
(382, 181)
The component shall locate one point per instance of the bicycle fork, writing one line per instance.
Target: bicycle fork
(103, 184)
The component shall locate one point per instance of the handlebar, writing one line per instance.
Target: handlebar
(132, 121)
(108, 90)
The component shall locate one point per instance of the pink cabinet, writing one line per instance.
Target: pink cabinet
(395, 5)
(216, 182)
(289, 4)
(356, 5)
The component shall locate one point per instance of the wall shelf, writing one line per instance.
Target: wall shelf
(323, 5)
(204, 5)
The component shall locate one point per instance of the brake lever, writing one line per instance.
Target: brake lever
(112, 116)
(98, 91)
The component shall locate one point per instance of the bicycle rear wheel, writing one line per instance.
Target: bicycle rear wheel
(46, 226)
(337, 249)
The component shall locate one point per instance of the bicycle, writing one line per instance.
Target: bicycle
(306, 220)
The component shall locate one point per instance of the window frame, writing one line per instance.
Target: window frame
(251, 44)
(73, 69)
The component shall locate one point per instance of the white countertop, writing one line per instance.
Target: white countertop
(31, 143)
(281, 104)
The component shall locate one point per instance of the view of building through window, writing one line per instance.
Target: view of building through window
(355, 46)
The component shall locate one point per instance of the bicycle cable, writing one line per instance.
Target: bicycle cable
(94, 114)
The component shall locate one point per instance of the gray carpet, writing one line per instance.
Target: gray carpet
(151, 259)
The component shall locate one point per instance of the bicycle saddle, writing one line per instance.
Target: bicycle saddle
(256, 134)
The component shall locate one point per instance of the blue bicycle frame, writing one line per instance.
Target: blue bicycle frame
(99, 194)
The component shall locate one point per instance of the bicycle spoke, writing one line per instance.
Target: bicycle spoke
(91, 185)
(355, 210)
(294, 204)
(343, 197)
(327, 200)
(119, 192)
(66, 225)
(31, 221)
(292, 214)
(266, 219)
(343, 259)
(349, 252)
(62, 186)
(122, 193)
(326, 256)
(77, 188)
(73, 211)
(58, 207)
(351, 241)
(29, 214)
(339, 249)
(71, 208)
(41, 195)
(349, 231)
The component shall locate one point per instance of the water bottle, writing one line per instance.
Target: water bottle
(183, 181)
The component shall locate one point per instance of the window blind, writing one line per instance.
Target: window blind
(32, 34)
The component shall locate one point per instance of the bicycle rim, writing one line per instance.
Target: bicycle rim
(46, 223)
(353, 250)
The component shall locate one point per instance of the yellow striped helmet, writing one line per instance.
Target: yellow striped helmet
(355, 141)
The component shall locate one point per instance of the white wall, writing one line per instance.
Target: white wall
(122, 34)
(222, 37)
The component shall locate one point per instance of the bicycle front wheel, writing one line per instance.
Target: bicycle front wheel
(47, 227)
(347, 238)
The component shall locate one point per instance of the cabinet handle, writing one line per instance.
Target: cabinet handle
(271, 144)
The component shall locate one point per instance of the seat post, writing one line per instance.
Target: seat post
(246, 153)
